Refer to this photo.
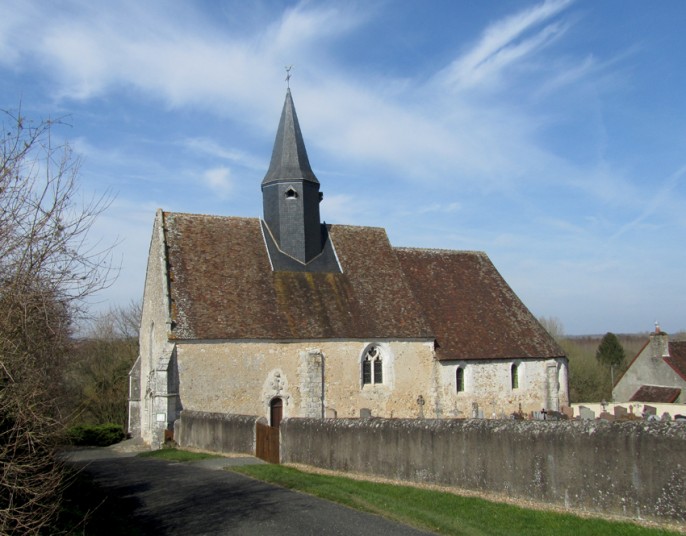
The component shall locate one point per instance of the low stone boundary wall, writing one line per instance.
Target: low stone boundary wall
(216, 432)
(635, 469)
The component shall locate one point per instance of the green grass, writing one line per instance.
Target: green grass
(177, 455)
(441, 512)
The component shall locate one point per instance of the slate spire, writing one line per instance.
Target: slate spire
(289, 156)
(290, 193)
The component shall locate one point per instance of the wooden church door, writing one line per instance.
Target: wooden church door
(267, 437)
(276, 412)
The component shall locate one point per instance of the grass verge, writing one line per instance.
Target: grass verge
(441, 512)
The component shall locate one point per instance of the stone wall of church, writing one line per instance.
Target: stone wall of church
(324, 379)
(489, 390)
(243, 377)
(150, 400)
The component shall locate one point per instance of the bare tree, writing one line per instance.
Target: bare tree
(46, 268)
(97, 373)
(553, 326)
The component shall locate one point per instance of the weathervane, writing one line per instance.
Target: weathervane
(288, 76)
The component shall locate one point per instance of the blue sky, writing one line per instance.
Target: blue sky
(549, 134)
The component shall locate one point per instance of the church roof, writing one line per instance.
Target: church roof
(289, 156)
(222, 286)
(474, 312)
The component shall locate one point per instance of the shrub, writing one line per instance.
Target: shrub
(101, 435)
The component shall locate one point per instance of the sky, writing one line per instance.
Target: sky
(549, 134)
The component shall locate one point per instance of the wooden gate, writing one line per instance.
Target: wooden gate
(267, 443)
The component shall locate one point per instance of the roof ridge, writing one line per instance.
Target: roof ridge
(215, 216)
(441, 250)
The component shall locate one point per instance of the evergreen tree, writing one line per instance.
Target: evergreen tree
(610, 351)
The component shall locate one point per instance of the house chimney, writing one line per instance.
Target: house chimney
(659, 343)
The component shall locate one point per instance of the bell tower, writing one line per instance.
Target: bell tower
(290, 198)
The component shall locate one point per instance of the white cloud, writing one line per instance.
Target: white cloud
(219, 180)
(499, 47)
(174, 52)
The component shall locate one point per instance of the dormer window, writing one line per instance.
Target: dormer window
(291, 194)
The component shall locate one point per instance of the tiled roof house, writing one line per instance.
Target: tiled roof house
(242, 315)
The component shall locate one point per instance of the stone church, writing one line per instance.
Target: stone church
(287, 317)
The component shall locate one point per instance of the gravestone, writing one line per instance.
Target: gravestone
(648, 411)
(621, 412)
(586, 413)
(475, 411)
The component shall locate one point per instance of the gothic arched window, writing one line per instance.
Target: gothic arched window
(372, 366)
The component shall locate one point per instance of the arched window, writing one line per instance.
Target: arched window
(514, 376)
(291, 194)
(372, 366)
(459, 379)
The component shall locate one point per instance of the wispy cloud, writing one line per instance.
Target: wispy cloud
(505, 42)
(657, 202)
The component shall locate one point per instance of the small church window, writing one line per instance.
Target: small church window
(514, 376)
(291, 194)
(459, 379)
(372, 367)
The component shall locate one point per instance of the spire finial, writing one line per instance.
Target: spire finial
(288, 76)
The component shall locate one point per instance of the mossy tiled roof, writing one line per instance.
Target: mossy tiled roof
(222, 287)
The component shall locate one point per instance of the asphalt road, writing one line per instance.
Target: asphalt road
(170, 498)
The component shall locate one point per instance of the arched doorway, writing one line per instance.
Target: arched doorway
(275, 412)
